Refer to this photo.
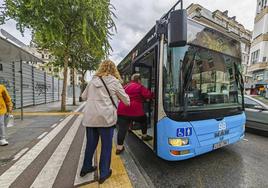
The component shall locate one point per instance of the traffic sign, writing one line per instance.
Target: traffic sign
(182, 132)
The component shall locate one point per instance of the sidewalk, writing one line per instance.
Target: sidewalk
(119, 178)
(34, 132)
(30, 130)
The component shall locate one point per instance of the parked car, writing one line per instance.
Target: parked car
(256, 113)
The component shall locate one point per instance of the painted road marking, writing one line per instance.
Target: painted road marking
(54, 125)
(119, 176)
(47, 113)
(48, 174)
(90, 176)
(245, 139)
(14, 171)
(18, 155)
(42, 135)
(9, 176)
(61, 119)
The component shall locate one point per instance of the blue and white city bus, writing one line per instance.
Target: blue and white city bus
(194, 71)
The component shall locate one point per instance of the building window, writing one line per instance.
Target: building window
(264, 2)
(264, 59)
(43, 56)
(233, 29)
(220, 21)
(255, 56)
(1, 67)
(246, 48)
(259, 77)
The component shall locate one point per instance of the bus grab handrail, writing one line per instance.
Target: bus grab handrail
(172, 8)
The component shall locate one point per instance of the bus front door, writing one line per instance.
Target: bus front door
(147, 80)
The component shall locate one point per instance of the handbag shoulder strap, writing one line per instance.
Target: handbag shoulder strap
(108, 92)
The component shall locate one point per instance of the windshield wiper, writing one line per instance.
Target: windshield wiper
(188, 79)
(240, 82)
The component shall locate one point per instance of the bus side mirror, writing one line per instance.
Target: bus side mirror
(177, 28)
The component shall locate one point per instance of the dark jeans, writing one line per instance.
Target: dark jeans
(106, 135)
(123, 126)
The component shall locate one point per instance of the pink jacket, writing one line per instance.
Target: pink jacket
(137, 94)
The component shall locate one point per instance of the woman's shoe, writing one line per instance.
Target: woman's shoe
(146, 138)
(102, 180)
(85, 172)
(3, 142)
(119, 151)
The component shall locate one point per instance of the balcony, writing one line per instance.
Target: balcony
(258, 66)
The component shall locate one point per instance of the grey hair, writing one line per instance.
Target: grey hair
(135, 77)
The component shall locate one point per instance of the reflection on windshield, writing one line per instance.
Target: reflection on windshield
(199, 79)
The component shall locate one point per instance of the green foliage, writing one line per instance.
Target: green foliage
(64, 27)
(57, 24)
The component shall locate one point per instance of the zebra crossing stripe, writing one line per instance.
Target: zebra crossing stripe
(9, 176)
(54, 125)
(90, 176)
(50, 171)
(42, 135)
(18, 155)
(14, 171)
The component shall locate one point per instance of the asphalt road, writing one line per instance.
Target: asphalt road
(244, 164)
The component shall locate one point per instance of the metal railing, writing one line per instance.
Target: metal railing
(29, 86)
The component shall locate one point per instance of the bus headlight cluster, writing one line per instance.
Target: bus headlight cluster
(178, 141)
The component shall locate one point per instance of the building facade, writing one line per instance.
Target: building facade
(259, 51)
(45, 65)
(26, 84)
(222, 22)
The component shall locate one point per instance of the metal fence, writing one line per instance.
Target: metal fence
(29, 86)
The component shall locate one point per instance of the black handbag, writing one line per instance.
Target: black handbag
(108, 92)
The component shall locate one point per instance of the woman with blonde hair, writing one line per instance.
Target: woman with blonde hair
(100, 116)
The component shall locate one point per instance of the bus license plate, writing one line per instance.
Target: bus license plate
(220, 144)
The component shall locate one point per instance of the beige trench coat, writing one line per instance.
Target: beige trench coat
(99, 110)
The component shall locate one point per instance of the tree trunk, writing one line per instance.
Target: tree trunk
(83, 82)
(63, 94)
(74, 102)
(82, 87)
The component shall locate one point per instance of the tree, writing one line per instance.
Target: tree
(87, 64)
(83, 58)
(58, 24)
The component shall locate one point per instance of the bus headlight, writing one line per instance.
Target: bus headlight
(178, 141)
(244, 128)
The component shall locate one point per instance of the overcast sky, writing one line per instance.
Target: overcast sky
(135, 18)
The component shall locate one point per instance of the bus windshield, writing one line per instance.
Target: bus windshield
(197, 79)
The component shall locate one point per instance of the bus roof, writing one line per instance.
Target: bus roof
(198, 34)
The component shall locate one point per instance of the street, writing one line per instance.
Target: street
(51, 155)
(244, 164)
(55, 161)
